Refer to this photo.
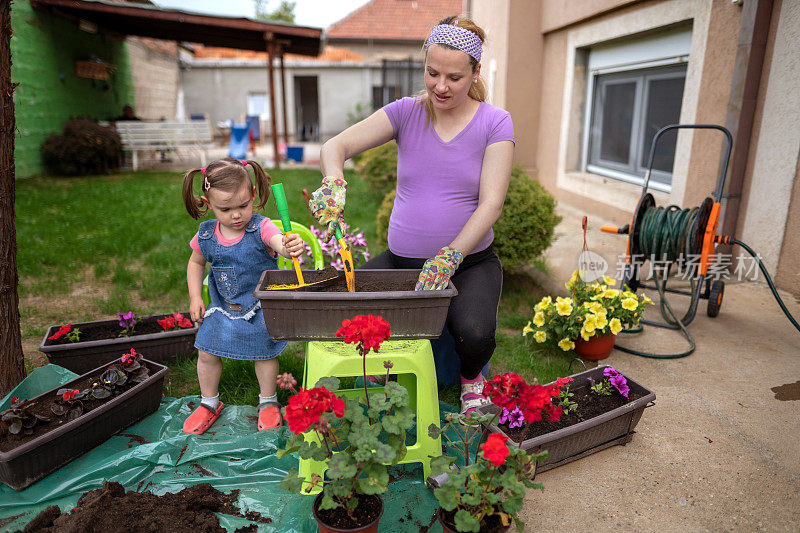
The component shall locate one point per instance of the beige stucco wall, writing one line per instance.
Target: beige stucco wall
(156, 77)
(768, 218)
(384, 50)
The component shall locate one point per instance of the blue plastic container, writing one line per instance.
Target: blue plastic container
(295, 153)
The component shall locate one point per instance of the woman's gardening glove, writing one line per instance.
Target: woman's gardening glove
(437, 270)
(327, 204)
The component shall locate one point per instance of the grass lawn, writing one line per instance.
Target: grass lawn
(91, 246)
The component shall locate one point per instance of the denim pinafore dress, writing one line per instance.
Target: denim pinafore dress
(233, 324)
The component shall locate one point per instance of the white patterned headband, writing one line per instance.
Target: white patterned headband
(457, 37)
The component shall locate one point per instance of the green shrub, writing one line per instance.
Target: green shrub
(525, 229)
(378, 167)
(85, 147)
(382, 220)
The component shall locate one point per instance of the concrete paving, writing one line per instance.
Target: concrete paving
(719, 450)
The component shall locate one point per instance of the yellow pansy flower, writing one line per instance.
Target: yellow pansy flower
(540, 336)
(611, 293)
(544, 302)
(616, 326)
(609, 281)
(585, 335)
(629, 294)
(564, 306)
(600, 321)
(566, 344)
(538, 319)
(597, 308)
(647, 300)
(527, 329)
(630, 304)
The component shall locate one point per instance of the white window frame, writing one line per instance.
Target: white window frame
(664, 49)
(634, 170)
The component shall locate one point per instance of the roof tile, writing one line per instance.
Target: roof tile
(393, 19)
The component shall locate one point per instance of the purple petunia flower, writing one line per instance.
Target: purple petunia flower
(514, 418)
(126, 320)
(618, 380)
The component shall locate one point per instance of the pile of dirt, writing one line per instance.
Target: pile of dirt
(111, 509)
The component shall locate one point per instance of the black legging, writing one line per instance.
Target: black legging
(472, 318)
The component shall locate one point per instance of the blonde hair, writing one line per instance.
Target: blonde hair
(477, 91)
(226, 174)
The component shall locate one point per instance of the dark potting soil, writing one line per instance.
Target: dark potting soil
(590, 405)
(43, 407)
(491, 524)
(340, 285)
(365, 513)
(111, 509)
(101, 332)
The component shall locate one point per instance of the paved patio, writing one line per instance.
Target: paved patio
(719, 449)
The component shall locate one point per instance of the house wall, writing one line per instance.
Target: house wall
(43, 54)
(553, 62)
(156, 77)
(220, 89)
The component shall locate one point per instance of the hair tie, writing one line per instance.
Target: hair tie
(206, 184)
(203, 170)
(244, 162)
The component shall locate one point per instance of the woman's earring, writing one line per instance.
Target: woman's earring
(475, 80)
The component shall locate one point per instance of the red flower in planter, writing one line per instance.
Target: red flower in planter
(509, 391)
(305, 408)
(69, 395)
(367, 331)
(63, 330)
(495, 449)
(128, 358)
(167, 323)
(14, 401)
(182, 321)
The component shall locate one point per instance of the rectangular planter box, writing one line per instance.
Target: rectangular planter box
(35, 459)
(590, 436)
(163, 347)
(309, 315)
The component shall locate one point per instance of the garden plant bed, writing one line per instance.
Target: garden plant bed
(111, 509)
(607, 421)
(25, 459)
(100, 343)
(309, 314)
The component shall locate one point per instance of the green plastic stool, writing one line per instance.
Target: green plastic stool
(283, 263)
(413, 364)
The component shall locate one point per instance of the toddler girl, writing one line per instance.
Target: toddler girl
(239, 245)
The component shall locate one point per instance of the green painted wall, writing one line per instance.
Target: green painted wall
(44, 49)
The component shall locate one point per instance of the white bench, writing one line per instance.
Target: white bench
(137, 135)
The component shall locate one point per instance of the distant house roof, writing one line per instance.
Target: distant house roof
(330, 54)
(145, 20)
(393, 20)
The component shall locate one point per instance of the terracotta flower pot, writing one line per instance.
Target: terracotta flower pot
(371, 527)
(449, 527)
(596, 348)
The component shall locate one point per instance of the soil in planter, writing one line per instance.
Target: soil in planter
(491, 524)
(43, 407)
(367, 510)
(340, 285)
(590, 405)
(111, 509)
(101, 332)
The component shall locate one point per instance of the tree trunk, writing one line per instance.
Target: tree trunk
(12, 363)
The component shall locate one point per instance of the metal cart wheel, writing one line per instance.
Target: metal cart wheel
(715, 298)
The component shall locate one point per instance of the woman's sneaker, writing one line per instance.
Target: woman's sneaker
(471, 397)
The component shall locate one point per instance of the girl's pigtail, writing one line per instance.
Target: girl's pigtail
(194, 205)
(263, 181)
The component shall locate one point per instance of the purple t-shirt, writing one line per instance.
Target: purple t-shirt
(438, 182)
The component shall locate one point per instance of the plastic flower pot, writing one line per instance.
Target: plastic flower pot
(592, 435)
(596, 348)
(449, 527)
(30, 461)
(161, 347)
(308, 314)
(370, 527)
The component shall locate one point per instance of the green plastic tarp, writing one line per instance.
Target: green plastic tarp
(156, 456)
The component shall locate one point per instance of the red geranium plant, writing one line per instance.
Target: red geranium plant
(174, 321)
(488, 488)
(358, 441)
